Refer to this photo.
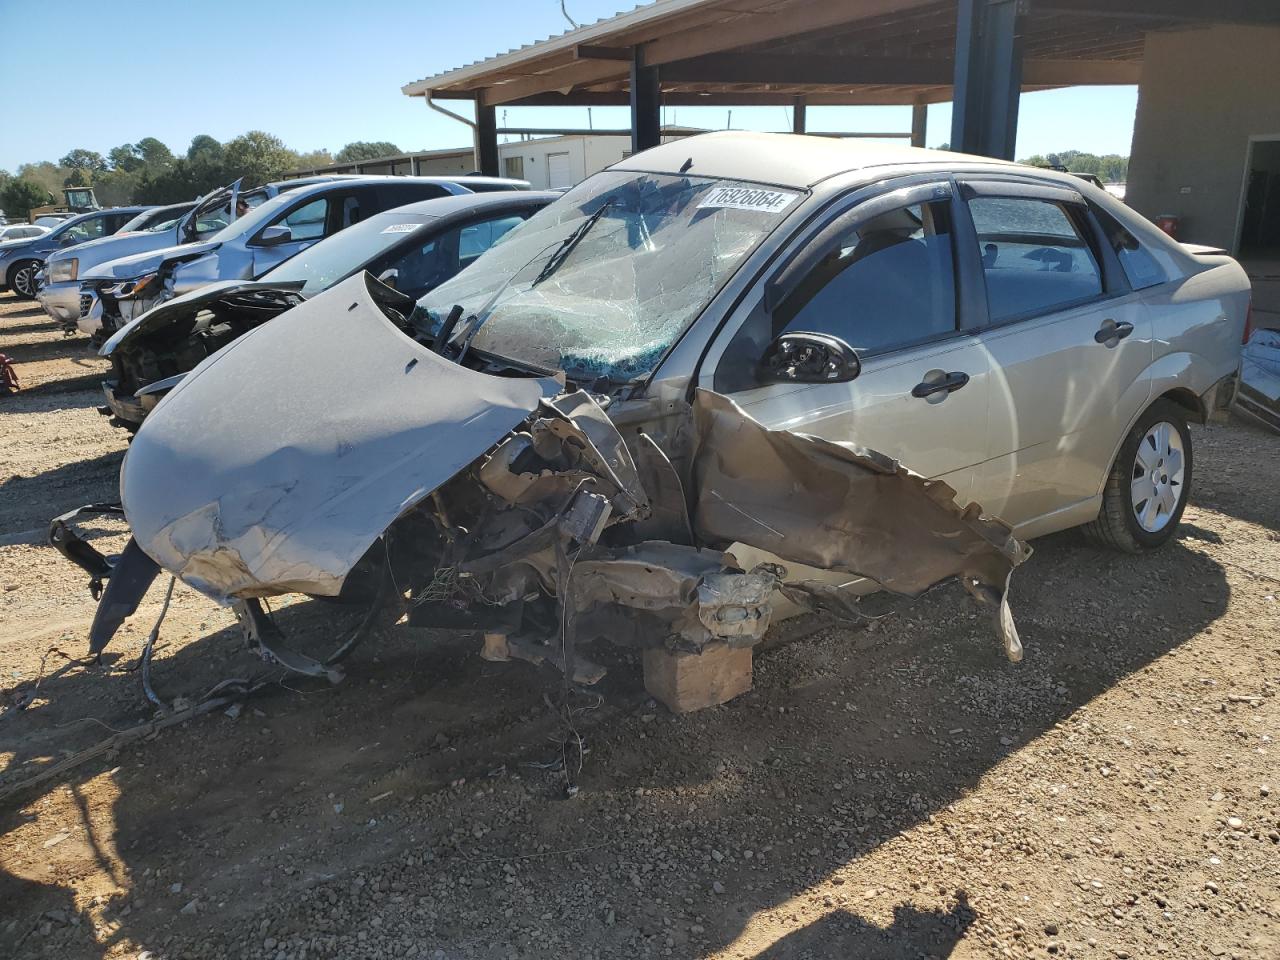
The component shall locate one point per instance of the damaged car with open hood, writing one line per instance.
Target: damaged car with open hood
(729, 374)
(412, 248)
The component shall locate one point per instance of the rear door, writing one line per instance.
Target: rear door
(888, 287)
(1069, 345)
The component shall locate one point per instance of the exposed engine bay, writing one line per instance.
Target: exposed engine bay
(520, 507)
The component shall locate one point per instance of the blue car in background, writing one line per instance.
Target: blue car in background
(21, 260)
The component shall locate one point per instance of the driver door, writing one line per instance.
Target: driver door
(306, 225)
(888, 287)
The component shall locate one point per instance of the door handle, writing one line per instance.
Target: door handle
(1110, 330)
(948, 384)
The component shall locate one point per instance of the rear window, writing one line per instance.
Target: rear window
(1033, 258)
(1140, 268)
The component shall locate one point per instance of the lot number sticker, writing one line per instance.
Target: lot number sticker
(748, 198)
(401, 228)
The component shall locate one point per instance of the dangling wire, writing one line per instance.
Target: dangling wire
(147, 650)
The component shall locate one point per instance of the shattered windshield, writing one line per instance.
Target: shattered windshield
(603, 281)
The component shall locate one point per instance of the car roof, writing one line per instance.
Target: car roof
(785, 159)
(102, 212)
(348, 179)
(467, 203)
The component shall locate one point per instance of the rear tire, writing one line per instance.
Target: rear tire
(22, 279)
(1147, 488)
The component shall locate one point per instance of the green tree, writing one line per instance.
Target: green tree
(48, 175)
(124, 157)
(204, 146)
(20, 195)
(314, 158)
(153, 152)
(87, 161)
(258, 157)
(117, 187)
(365, 150)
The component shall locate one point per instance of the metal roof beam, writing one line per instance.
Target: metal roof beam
(772, 24)
(1187, 11)
(851, 71)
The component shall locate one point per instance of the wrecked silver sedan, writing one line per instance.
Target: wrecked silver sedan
(645, 415)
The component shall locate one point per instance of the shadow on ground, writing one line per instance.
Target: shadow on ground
(418, 711)
(913, 934)
(30, 502)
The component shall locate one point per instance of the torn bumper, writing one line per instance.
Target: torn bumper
(126, 406)
(126, 577)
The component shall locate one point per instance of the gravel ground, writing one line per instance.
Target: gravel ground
(892, 791)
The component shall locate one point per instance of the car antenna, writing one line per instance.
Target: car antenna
(684, 167)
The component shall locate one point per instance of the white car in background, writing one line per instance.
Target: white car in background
(21, 231)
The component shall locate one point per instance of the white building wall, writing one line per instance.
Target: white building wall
(587, 155)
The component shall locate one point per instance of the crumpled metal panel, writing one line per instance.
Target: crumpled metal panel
(841, 507)
(690, 591)
(270, 469)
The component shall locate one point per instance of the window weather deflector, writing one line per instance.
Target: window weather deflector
(970, 188)
(818, 246)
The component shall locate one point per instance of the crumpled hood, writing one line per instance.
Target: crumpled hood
(279, 461)
(139, 264)
(118, 245)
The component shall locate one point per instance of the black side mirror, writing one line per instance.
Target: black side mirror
(808, 358)
(274, 235)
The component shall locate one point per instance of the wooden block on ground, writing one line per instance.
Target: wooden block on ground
(685, 682)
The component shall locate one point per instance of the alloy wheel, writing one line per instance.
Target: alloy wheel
(24, 280)
(1157, 483)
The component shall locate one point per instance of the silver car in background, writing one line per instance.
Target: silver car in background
(174, 225)
(258, 241)
(59, 292)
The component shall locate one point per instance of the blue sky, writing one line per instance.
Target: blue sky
(321, 73)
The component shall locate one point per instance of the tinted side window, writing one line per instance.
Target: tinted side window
(479, 237)
(1139, 266)
(890, 282)
(1033, 257)
(84, 230)
(307, 221)
(425, 266)
(398, 194)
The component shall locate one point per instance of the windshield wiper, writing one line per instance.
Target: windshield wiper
(555, 261)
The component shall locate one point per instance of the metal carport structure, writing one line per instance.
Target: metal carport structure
(980, 54)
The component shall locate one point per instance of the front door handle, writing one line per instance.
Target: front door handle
(1112, 331)
(948, 384)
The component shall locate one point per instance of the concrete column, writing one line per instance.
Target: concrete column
(486, 139)
(919, 123)
(988, 77)
(797, 115)
(415, 166)
(646, 115)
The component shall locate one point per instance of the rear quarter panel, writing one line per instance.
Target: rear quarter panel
(1198, 323)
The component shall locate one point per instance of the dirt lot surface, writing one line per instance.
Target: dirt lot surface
(896, 790)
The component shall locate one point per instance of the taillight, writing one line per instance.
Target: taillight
(1248, 322)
